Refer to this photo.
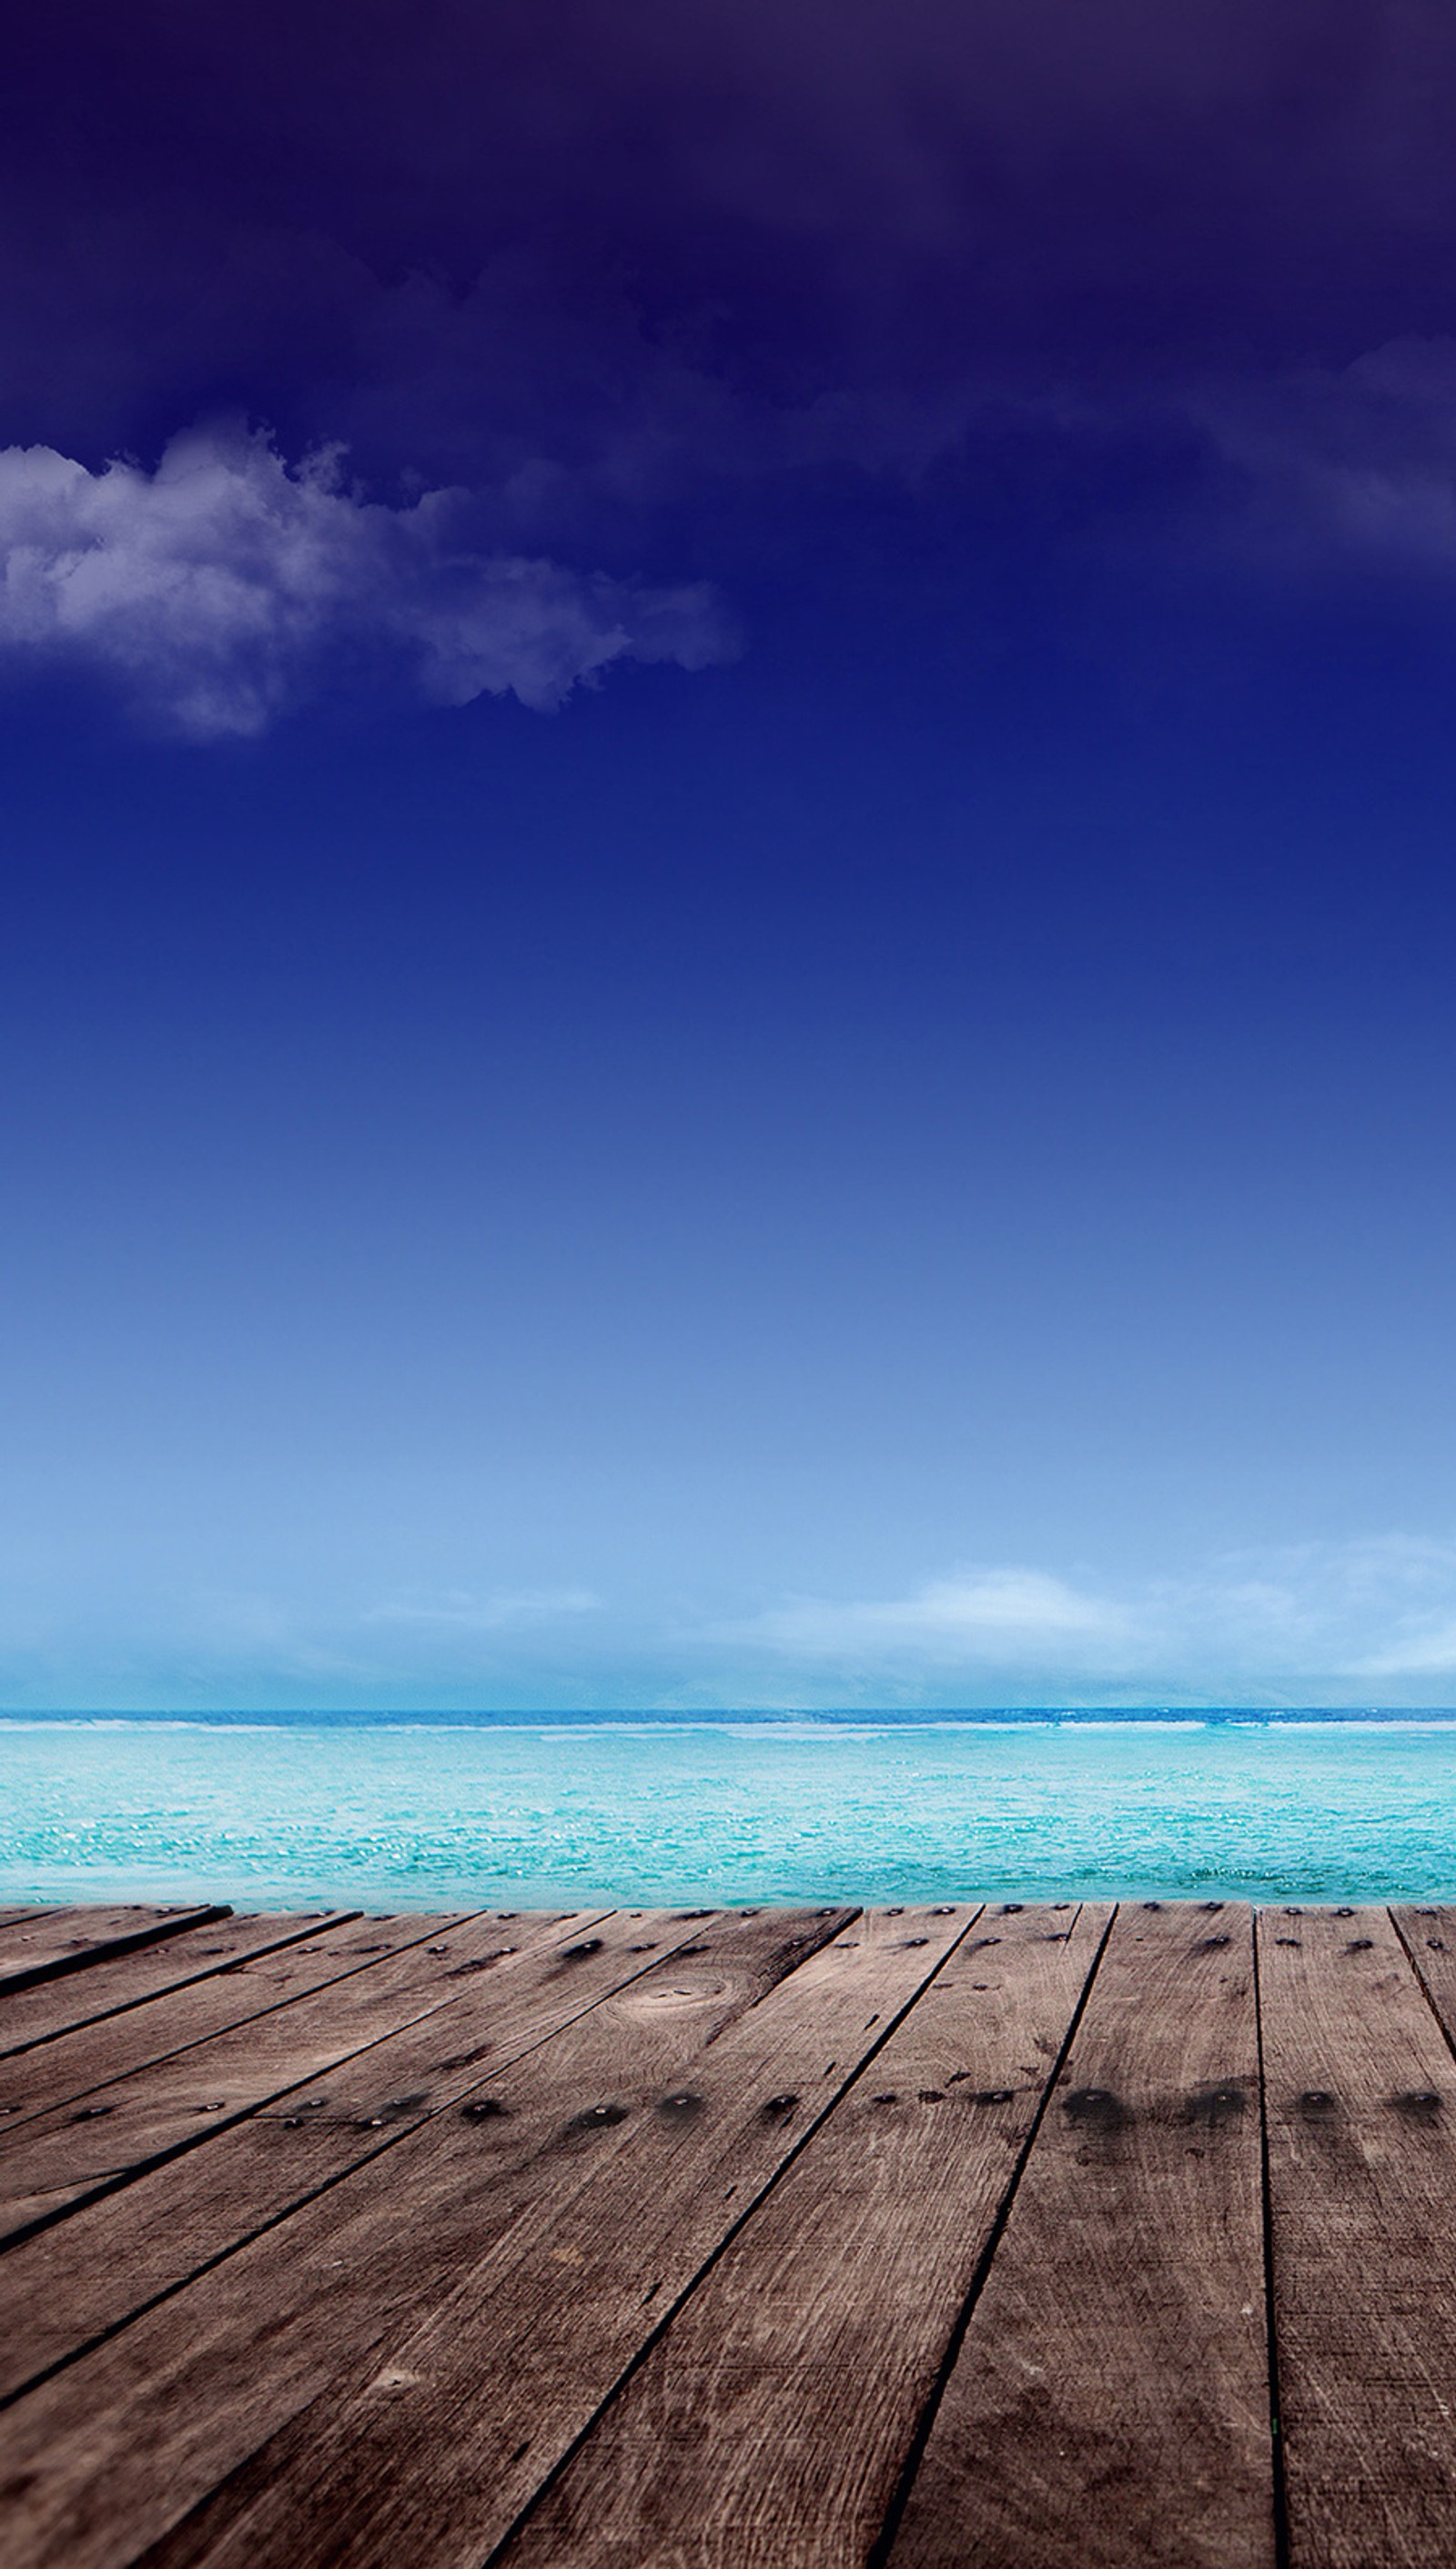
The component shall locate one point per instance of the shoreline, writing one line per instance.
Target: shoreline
(793, 1719)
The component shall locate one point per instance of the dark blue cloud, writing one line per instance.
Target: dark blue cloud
(936, 1129)
(626, 243)
(683, 294)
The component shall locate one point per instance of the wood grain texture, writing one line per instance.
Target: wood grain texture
(1429, 1938)
(286, 2021)
(736, 2240)
(768, 2427)
(129, 1981)
(28, 1914)
(1109, 2403)
(112, 2258)
(258, 1971)
(75, 1940)
(1361, 2107)
(430, 2448)
(255, 1968)
(111, 2451)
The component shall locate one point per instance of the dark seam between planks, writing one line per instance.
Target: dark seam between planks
(323, 1924)
(1270, 2315)
(300, 2203)
(879, 2550)
(854, 1912)
(119, 2179)
(275, 2006)
(822, 1929)
(1418, 1977)
(664, 2322)
(12, 1983)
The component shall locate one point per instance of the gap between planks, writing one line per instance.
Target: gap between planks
(1345, 2170)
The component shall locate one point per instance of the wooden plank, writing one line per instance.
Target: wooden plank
(1109, 2405)
(28, 1914)
(427, 2445)
(309, 2009)
(94, 2273)
(771, 2422)
(278, 1975)
(1361, 2105)
(1429, 1938)
(72, 1940)
(59, 2010)
(112, 2452)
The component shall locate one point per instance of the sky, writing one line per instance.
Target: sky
(726, 849)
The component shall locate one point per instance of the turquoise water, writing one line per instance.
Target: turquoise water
(420, 1814)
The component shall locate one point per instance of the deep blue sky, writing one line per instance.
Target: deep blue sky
(895, 1149)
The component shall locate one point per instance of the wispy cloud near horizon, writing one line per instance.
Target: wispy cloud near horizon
(1255, 1625)
(1360, 1624)
(981, 1613)
(491, 1613)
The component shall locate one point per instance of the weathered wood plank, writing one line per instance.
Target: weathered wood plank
(96, 2271)
(1109, 2405)
(423, 2285)
(114, 2451)
(28, 1914)
(770, 2423)
(328, 2003)
(55, 2010)
(276, 1974)
(74, 1940)
(430, 2448)
(1361, 2112)
(1429, 1938)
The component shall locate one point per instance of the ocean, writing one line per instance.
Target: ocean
(410, 1812)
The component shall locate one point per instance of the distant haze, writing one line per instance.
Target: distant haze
(728, 910)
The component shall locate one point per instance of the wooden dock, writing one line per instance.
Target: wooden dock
(1025, 2237)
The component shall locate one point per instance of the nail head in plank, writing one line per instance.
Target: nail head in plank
(332, 2013)
(771, 2420)
(250, 1986)
(1361, 2105)
(492, 2388)
(61, 2012)
(235, 2045)
(60, 1946)
(1429, 1938)
(109, 2262)
(132, 2434)
(1109, 2407)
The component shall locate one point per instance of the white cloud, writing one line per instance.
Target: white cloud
(985, 1614)
(220, 590)
(1357, 1624)
(1418, 1655)
(1311, 1623)
(486, 1614)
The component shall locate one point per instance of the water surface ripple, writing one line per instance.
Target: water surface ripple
(415, 1814)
